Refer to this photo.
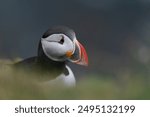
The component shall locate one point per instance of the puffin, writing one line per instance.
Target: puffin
(57, 47)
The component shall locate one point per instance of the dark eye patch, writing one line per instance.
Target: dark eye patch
(61, 40)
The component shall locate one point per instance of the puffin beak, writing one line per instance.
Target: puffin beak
(79, 55)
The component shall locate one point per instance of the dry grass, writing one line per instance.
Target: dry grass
(20, 85)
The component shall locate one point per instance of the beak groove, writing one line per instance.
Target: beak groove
(83, 55)
(79, 56)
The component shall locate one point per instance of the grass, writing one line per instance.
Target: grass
(20, 85)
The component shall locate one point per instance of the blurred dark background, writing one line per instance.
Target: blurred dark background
(115, 33)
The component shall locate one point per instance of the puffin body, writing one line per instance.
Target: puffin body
(57, 46)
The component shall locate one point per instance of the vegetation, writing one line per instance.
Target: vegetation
(20, 85)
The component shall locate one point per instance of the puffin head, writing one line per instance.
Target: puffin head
(60, 44)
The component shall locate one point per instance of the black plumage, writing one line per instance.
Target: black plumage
(60, 29)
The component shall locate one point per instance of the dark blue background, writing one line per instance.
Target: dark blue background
(115, 33)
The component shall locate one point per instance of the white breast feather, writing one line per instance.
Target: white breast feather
(63, 80)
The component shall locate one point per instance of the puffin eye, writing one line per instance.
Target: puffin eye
(61, 40)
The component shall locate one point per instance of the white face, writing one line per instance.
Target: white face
(56, 46)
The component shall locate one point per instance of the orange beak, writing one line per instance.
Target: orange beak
(79, 56)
